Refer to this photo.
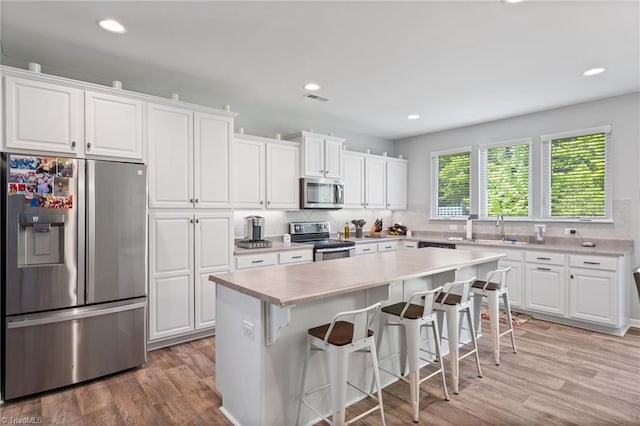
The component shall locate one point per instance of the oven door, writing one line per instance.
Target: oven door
(333, 253)
(321, 193)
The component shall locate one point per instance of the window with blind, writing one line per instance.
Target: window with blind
(450, 183)
(505, 179)
(576, 175)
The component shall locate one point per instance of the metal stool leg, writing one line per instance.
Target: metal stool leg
(494, 320)
(507, 307)
(304, 378)
(338, 367)
(436, 338)
(474, 340)
(454, 338)
(376, 376)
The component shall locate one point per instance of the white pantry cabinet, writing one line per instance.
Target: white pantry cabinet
(354, 183)
(265, 173)
(184, 249)
(43, 117)
(321, 154)
(50, 117)
(188, 158)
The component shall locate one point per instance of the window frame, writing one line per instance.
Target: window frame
(482, 177)
(435, 155)
(545, 193)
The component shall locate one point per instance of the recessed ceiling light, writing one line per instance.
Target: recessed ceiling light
(593, 71)
(312, 86)
(112, 25)
(413, 117)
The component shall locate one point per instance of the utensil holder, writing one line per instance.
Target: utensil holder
(358, 232)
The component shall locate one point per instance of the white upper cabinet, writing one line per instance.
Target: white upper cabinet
(265, 173)
(44, 117)
(212, 143)
(248, 173)
(396, 184)
(321, 154)
(353, 171)
(188, 158)
(376, 181)
(113, 126)
(170, 145)
(283, 173)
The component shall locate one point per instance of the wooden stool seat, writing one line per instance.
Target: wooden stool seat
(483, 285)
(451, 299)
(413, 311)
(342, 333)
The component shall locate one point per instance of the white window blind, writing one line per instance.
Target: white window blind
(576, 175)
(450, 196)
(505, 179)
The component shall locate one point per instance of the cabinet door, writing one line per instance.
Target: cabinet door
(333, 159)
(353, 171)
(213, 253)
(211, 142)
(247, 174)
(396, 184)
(113, 126)
(313, 156)
(170, 142)
(375, 183)
(514, 282)
(171, 258)
(283, 173)
(43, 116)
(592, 295)
(545, 290)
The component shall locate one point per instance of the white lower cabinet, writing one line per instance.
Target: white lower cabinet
(388, 246)
(184, 249)
(366, 248)
(514, 282)
(260, 260)
(545, 288)
(593, 284)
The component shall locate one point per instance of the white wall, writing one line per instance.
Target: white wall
(621, 112)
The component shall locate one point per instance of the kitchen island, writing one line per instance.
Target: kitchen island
(263, 316)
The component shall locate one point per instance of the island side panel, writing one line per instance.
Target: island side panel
(238, 355)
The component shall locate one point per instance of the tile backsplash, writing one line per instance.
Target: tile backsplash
(277, 222)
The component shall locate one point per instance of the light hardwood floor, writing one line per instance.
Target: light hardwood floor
(561, 375)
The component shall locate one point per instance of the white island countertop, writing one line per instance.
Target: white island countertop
(293, 284)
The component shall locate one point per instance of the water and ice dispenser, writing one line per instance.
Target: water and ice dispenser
(40, 239)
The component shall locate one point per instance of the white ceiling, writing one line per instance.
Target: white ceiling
(454, 63)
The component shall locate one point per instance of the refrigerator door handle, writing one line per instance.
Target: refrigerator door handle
(90, 283)
(81, 196)
(75, 314)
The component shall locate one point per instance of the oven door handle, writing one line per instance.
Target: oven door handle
(330, 250)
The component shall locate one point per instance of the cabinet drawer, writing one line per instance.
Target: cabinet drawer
(388, 246)
(366, 248)
(595, 262)
(410, 244)
(294, 256)
(545, 257)
(256, 260)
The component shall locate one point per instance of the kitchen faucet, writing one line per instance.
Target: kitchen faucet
(500, 224)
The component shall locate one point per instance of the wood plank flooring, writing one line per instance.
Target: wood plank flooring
(560, 376)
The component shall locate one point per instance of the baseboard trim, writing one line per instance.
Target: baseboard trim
(157, 344)
(634, 323)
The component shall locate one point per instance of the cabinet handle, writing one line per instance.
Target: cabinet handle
(543, 269)
(268, 203)
(321, 171)
(88, 145)
(191, 220)
(591, 263)
(388, 205)
(366, 249)
(543, 258)
(73, 144)
(571, 276)
(257, 261)
(197, 200)
(296, 257)
(198, 220)
(261, 202)
(191, 200)
(387, 247)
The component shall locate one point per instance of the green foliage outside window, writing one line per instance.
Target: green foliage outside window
(508, 180)
(578, 176)
(453, 184)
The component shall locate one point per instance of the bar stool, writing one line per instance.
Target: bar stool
(494, 288)
(338, 339)
(411, 316)
(455, 302)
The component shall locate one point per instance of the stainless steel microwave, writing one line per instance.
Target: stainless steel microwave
(317, 193)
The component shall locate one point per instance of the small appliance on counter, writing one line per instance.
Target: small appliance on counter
(254, 233)
(539, 230)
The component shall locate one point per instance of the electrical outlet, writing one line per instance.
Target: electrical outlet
(249, 329)
(453, 227)
(569, 231)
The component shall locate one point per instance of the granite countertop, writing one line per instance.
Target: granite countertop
(292, 284)
(275, 247)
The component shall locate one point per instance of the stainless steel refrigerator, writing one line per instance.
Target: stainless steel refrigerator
(73, 270)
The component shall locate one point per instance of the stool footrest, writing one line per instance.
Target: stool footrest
(366, 413)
